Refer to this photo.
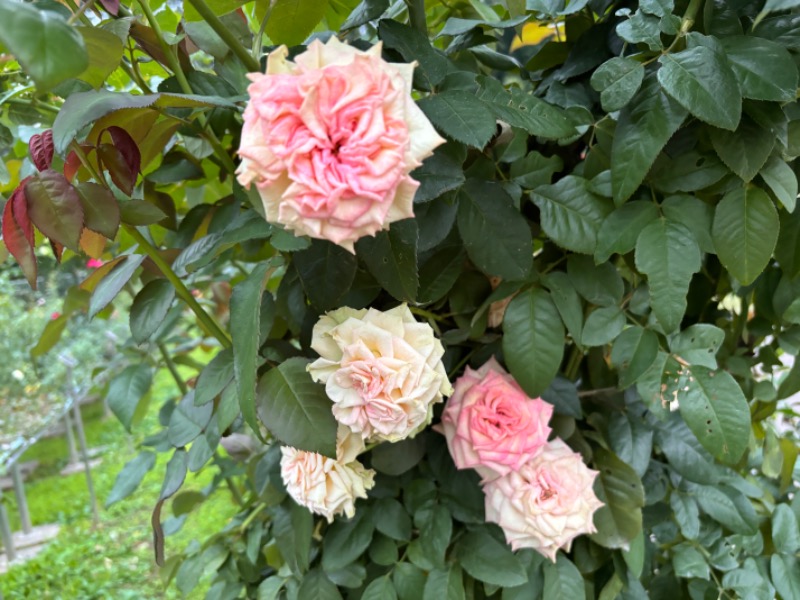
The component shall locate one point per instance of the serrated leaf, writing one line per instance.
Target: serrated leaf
(567, 302)
(698, 344)
(488, 560)
(295, 409)
(745, 150)
(149, 308)
(414, 46)
(101, 211)
(602, 326)
(701, 80)
(391, 257)
(765, 70)
(617, 80)
(486, 212)
(460, 116)
(715, 409)
(782, 181)
(695, 214)
(533, 343)
(438, 174)
(620, 489)
(619, 230)
(785, 530)
(668, 254)
(745, 232)
(113, 282)
(55, 208)
(645, 126)
(562, 579)
(571, 215)
(291, 21)
(600, 284)
(326, 271)
(717, 503)
(126, 390)
(633, 353)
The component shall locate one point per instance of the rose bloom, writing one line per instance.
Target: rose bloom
(383, 370)
(545, 504)
(491, 424)
(325, 486)
(330, 140)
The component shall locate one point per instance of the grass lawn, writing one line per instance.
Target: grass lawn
(114, 561)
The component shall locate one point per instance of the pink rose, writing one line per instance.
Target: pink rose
(326, 486)
(491, 425)
(94, 263)
(330, 140)
(382, 370)
(547, 503)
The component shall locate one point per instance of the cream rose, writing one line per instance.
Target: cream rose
(491, 424)
(326, 486)
(330, 140)
(382, 370)
(547, 503)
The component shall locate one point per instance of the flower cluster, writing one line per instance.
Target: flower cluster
(539, 492)
(330, 139)
(383, 372)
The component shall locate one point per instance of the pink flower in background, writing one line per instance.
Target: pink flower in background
(55, 315)
(491, 424)
(547, 503)
(94, 263)
(330, 140)
(326, 486)
(382, 370)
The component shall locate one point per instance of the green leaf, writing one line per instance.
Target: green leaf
(126, 391)
(563, 395)
(291, 21)
(175, 474)
(486, 212)
(785, 530)
(326, 272)
(715, 409)
(745, 150)
(748, 582)
(765, 70)
(391, 258)
(599, 284)
(391, 519)
(149, 308)
(214, 377)
(409, 581)
(633, 353)
(602, 326)
(55, 208)
(245, 309)
(455, 26)
(444, 584)
(188, 421)
(438, 174)
(100, 209)
(488, 560)
(295, 409)
(131, 476)
(440, 272)
(782, 181)
(533, 343)
(435, 526)
(620, 489)
(366, 11)
(684, 452)
(785, 574)
(562, 580)
(49, 50)
(619, 230)
(689, 562)
(380, 589)
(83, 108)
(719, 505)
(414, 46)
(617, 80)
(745, 232)
(645, 126)
(140, 212)
(571, 215)
(698, 344)
(687, 514)
(535, 169)
(104, 52)
(397, 458)
(567, 302)
(112, 283)
(345, 541)
(695, 214)
(292, 527)
(524, 110)
(641, 28)
(316, 586)
(701, 80)
(668, 254)
(460, 116)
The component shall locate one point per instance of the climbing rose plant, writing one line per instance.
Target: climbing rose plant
(476, 299)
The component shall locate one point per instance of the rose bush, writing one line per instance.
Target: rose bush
(325, 214)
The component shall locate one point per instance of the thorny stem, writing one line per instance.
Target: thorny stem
(173, 369)
(223, 32)
(80, 12)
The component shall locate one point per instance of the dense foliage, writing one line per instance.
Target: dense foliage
(622, 176)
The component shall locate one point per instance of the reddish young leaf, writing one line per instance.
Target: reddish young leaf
(58, 250)
(92, 243)
(55, 208)
(113, 161)
(111, 6)
(100, 209)
(73, 164)
(127, 146)
(18, 233)
(41, 149)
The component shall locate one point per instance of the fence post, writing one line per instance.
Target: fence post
(22, 502)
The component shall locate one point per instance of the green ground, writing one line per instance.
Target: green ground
(114, 561)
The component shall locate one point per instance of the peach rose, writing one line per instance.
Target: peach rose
(325, 486)
(383, 370)
(330, 140)
(491, 425)
(547, 503)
